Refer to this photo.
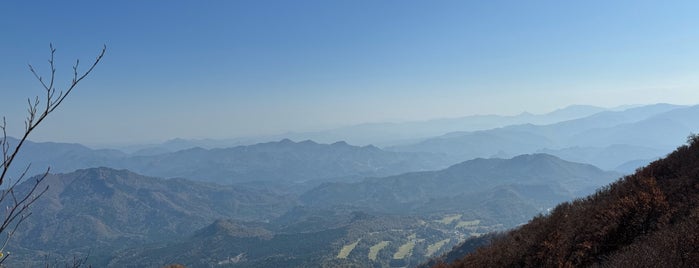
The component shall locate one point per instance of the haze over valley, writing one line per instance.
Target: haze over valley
(349, 134)
(358, 205)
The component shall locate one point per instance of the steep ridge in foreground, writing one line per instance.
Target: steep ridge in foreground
(648, 219)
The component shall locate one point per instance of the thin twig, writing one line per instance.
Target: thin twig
(18, 211)
(51, 105)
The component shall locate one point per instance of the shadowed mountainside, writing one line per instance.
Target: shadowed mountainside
(117, 215)
(234, 244)
(100, 210)
(530, 182)
(648, 219)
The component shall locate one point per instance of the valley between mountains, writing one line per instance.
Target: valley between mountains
(286, 203)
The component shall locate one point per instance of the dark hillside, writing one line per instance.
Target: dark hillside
(545, 179)
(102, 210)
(648, 219)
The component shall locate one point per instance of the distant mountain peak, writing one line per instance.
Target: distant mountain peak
(536, 156)
(99, 172)
(371, 147)
(340, 143)
(309, 142)
(230, 228)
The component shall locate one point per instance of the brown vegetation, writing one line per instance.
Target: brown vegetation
(648, 219)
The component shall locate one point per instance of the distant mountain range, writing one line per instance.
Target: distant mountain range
(281, 161)
(619, 137)
(379, 134)
(613, 140)
(121, 218)
(300, 204)
(388, 134)
(285, 160)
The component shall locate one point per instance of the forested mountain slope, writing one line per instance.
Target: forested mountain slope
(100, 210)
(648, 219)
(526, 181)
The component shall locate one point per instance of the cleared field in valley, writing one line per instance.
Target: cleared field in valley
(466, 224)
(374, 250)
(404, 250)
(347, 249)
(449, 219)
(432, 249)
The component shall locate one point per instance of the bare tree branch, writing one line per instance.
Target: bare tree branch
(18, 205)
(51, 104)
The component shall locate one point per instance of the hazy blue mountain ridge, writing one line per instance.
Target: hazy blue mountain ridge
(651, 129)
(379, 134)
(282, 161)
(605, 132)
(273, 161)
(390, 134)
(61, 157)
(614, 157)
(554, 180)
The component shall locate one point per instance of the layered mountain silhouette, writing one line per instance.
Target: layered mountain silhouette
(648, 219)
(387, 134)
(640, 133)
(381, 134)
(281, 161)
(122, 218)
(528, 182)
(612, 140)
(284, 160)
(300, 204)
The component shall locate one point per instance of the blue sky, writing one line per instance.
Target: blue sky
(217, 69)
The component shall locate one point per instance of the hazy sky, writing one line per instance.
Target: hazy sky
(198, 69)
